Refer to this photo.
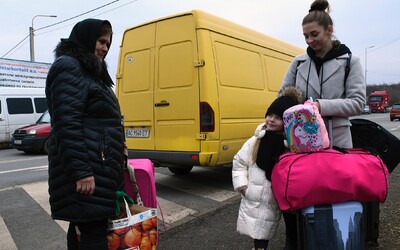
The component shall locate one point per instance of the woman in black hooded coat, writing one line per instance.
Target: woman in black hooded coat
(86, 147)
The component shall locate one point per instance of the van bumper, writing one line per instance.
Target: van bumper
(164, 158)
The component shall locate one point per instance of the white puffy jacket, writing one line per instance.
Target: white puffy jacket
(259, 213)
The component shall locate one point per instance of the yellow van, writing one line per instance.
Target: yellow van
(193, 87)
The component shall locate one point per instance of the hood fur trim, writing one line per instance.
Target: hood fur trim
(90, 63)
(293, 93)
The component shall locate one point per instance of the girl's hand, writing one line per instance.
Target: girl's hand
(243, 190)
(316, 104)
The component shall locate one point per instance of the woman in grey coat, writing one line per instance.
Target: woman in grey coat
(320, 74)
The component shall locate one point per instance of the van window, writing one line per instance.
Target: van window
(276, 70)
(137, 71)
(245, 73)
(19, 106)
(179, 73)
(40, 104)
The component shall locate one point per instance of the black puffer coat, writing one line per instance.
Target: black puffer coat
(86, 138)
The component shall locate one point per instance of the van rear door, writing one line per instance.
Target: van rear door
(135, 82)
(176, 90)
(158, 86)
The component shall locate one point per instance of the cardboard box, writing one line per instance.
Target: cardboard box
(135, 231)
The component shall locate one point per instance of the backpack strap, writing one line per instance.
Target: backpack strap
(347, 68)
(298, 64)
(346, 72)
(295, 75)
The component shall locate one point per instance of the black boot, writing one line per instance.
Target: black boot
(290, 245)
(260, 244)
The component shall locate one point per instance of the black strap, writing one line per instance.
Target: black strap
(347, 69)
(346, 72)
(298, 64)
(295, 76)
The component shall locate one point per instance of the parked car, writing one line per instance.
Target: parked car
(19, 107)
(33, 138)
(395, 112)
(366, 110)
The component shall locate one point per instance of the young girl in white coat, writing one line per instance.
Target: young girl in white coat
(259, 213)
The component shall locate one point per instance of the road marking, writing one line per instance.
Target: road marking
(36, 191)
(24, 159)
(194, 188)
(5, 237)
(172, 212)
(394, 129)
(25, 169)
(168, 211)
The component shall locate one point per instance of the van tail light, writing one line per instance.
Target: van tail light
(207, 118)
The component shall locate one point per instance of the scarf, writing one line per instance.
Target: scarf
(271, 147)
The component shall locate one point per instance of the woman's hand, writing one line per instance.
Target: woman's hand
(85, 186)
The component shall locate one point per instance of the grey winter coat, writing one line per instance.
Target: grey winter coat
(337, 99)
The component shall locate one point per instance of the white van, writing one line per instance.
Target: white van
(19, 107)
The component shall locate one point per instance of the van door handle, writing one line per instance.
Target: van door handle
(1, 119)
(163, 103)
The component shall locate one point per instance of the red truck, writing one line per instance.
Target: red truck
(379, 101)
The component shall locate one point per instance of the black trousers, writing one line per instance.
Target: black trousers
(87, 236)
(260, 244)
(291, 229)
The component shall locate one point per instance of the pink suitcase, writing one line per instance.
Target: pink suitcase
(146, 184)
(144, 174)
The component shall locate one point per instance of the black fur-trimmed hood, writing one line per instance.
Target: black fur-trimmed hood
(90, 63)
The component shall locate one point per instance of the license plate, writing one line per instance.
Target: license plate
(18, 142)
(137, 132)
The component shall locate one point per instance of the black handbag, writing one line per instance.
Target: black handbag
(375, 138)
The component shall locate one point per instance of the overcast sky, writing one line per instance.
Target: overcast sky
(359, 24)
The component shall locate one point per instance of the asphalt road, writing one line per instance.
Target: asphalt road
(217, 229)
(211, 222)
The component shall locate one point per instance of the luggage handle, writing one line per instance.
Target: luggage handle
(132, 178)
(135, 187)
